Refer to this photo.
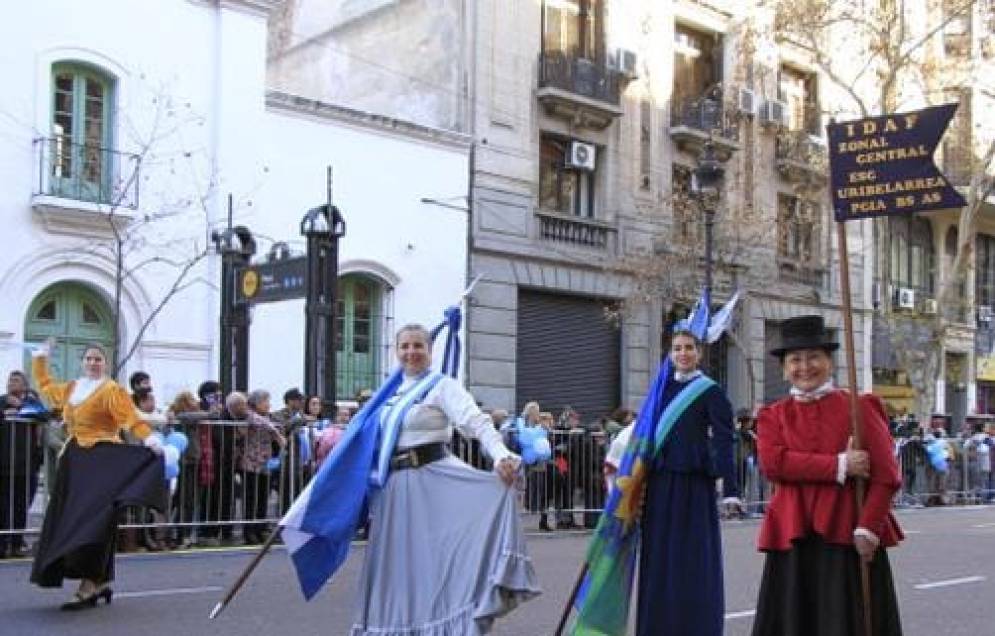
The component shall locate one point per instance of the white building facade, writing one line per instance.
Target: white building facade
(121, 146)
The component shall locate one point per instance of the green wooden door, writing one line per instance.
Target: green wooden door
(76, 317)
(357, 335)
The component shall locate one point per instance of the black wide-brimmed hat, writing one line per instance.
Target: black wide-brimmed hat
(804, 332)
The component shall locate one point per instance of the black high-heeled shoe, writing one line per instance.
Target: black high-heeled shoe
(83, 602)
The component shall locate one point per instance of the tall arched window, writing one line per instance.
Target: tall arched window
(913, 257)
(359, 334)
(80, 160)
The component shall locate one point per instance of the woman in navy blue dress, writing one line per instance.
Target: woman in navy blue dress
(680, 566)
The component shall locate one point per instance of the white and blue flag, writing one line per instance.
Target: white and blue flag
(722, 319)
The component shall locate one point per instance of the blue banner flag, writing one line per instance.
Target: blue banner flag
(883, 166)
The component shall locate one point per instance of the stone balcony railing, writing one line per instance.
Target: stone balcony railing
(576, 231)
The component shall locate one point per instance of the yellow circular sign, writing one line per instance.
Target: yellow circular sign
(250, 283)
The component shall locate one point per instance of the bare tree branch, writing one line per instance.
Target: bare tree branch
(177, 286)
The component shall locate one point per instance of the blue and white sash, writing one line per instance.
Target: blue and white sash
(391, 420)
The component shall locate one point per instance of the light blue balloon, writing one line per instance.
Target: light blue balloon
(542, 448)
(273, 464)
(171, 455)
(172, 470)
(529, 455)
(937, 456)
(178, 440)
(534, 443)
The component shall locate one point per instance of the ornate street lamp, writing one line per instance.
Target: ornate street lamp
(706, 187)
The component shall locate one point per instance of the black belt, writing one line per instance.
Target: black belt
(417, 456)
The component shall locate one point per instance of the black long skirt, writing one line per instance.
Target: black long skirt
(814, 590)
(92, 486)
(680, 559)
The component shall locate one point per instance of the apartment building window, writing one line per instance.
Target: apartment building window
(564, 188)
(80, 160)
(957, 31)
(957, 142)
(686, 227)
(799, 90)
(645, 142)
(985, 274)
(798, 230)
(697, 63)
(574, 27)
(912, 253)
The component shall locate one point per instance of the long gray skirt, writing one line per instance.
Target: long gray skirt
(446, 554)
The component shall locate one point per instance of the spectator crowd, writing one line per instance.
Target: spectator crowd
(246, 462)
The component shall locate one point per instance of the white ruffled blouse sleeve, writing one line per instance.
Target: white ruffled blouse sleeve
(463, 413)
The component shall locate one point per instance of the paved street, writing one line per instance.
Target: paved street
(945, 574)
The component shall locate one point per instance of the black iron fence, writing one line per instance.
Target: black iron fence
(579, 75)
(706, 113)
(87, 172)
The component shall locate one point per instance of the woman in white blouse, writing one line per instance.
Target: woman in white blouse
(446, 552)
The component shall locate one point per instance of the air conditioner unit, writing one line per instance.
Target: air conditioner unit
(984, 313)
(625, 63)
(774, 113)
(747, 103)
(930, 306)
(905, 298)
(580, 156)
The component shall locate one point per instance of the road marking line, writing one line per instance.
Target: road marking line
(911, 531)
(983, 525)
(949, 582)
(169, 591)
(742, 614)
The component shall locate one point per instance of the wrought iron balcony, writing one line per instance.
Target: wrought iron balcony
(87, 173)
(575, 230)
(84, 189)
(800, 156)
(700, 120)
(582, 91)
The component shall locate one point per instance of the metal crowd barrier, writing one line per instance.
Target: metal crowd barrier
(22, 458)
(220, 496)
(969, 477)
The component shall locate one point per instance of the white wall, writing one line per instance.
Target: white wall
(379, 180)
(196, 82)
(162, 91)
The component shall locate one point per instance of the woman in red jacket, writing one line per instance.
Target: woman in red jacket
(813, 534)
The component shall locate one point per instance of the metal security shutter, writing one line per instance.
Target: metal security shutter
(775, 387)
(568, 354)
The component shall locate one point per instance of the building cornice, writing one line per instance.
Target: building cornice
(256, 7)
(294, 104)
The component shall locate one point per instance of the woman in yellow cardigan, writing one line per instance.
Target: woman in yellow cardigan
(97, 476)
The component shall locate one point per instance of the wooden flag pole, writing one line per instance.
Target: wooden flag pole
(244, 576)
(570, 602)
(855, 421)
